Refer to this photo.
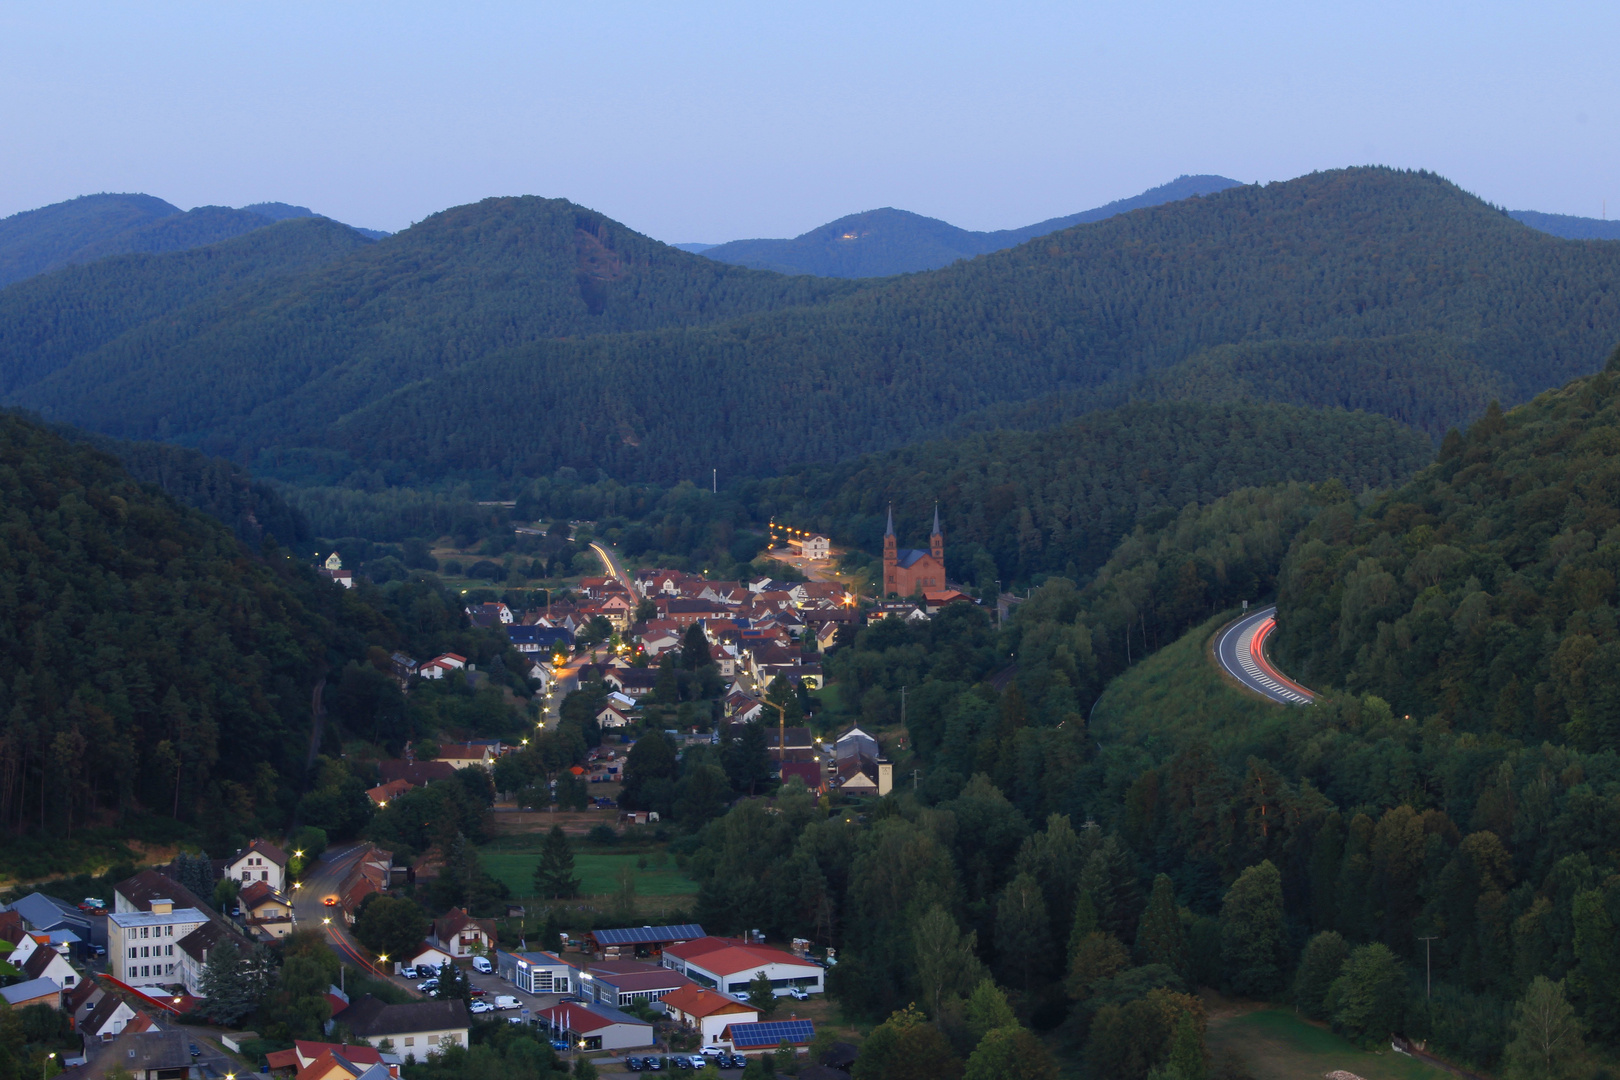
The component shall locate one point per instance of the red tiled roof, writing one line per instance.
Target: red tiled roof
(693, 1000)
(724, 956)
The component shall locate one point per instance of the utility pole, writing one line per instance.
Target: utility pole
(714, 481)
(915, 773)
(902, 708)
(1428, 973)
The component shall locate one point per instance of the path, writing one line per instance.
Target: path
(1241, 650)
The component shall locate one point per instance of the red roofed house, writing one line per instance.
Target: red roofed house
(382, 794)
(440, 666)
(461, 755)
(265, 910)
(706, 1012)
(729, 964)
(461, 935)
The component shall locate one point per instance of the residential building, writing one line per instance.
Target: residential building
(105, 1019)
(383, 794)
(461, 755)
(414, 1031)
(47, 913)
(815, 547)
(146, 887)
(266, 912)
(461, 935)
(141, 945)
(419, 773)
(595, 1026)
(865, 776)
(259, 861)
(195, 947)
(706, 1012)
(440, 666)
(611, 717)
(729, 965)
(427, 955)
(145, 1054)
(540, 640)
(46, 963)
(856, 743)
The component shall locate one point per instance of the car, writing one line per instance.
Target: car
(516, 1020)
(655, 1064)
(799, 993)
(633, 1064)
(480, 1007)
(713, 1052)
(698, 1061)
(408, 972)
(558, 1044)
(330, 901)
(732, 1061)
(477, 992)
(101, 950)
(428, 986)
(680, 1062)
(196, 1051)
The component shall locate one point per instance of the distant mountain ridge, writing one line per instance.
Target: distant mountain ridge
(887, 241)
(94, 227)
(1568, 226)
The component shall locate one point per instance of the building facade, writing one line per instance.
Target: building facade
(143, 946)
(907, 572)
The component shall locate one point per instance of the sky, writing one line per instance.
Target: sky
(708, 122)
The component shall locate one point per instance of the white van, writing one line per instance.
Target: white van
(481, 963)
(507, 1001)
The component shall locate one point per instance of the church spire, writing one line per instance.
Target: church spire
(890, 531)
(936, 545)
(936, 518)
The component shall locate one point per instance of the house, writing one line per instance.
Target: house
(635, 941)
(48, 913)
(827, 635)
(461, 755)
(259, 861)
(141, 944)
(934, 599)
(725, 658)
(619, 701)
(265, 911)
(611, 717)
(440, 666)
(856, 743)
(46, 963)
(743, 707)
(415, 1030)
(767, 1036)
(540, 640)
(461, 935)
(815, 547)
(373, 872)
(865, 776)
(620, 982)
(685, 612)
(306, 1053)
(809, 773)
(32, 992)
(897, 609)
(383, 794)
(145, 1054)
(419, 773)
(729, 964)
(595, 1026)
(706, 1012)
(105, 1019)
(495, 610)
(403, 667)
(194, 949)
(537, 972)
(656, 642)
(341, 577)
(632, 682)
(147, 887)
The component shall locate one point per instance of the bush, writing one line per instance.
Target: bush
(604, 835)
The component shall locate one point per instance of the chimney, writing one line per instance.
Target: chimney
(162, 907)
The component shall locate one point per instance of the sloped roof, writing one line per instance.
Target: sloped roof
(28, 991)
(149, 885)
(646, 935)
(693, 1000)
(369, 1018)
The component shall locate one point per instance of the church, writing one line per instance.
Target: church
(908, 572)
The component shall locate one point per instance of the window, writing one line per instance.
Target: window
(132, 952)
(247, 875)
(264, 875)
(171, 931)
(146, 931)
(171, 950)
(410, 1040)
(171, 969)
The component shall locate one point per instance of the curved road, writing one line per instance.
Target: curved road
(1241, 650)
(322, 878)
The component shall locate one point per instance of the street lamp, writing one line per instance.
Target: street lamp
(326, 921)
(50, 1057)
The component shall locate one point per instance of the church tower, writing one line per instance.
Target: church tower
(890, 557)
(936, 543)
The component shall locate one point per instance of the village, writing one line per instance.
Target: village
(130, 973)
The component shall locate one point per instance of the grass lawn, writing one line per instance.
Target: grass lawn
(1277, 1045)
(598, 872)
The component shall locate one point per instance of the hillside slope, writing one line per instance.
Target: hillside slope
(879, 243)
(1568, 226)
(1483, 591)
(1359, 254)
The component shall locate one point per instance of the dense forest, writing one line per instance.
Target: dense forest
(1017, 504)
(157, 667)
(392, 360)
(878, 243)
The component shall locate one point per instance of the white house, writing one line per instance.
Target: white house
(729, 965)
(195, 947)
(141, 945)
(415, 1030)
(259, 861)
(815, 547)
(461, 935)
(610, 717)
(106, 1019)
(46, 963)
(427, 955)
(440, 666)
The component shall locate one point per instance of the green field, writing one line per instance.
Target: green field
(598, 872)
(1277, 1045)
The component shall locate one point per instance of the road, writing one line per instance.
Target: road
(321, 879)
(614, 567)
(1241, 650)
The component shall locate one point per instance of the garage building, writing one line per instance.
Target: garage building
(595, 1027)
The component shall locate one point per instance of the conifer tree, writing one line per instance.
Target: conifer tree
(1160, 938)
(1252, 931)
(554, 875)
(226, 986)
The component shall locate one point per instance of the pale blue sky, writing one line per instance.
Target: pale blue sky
(710, 121)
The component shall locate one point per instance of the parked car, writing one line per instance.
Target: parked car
(507, 1001)
(696, 1061)
(680, 1062)
(481, 963)
(408, 972)
(633, 1064)
(480, 1007)
(714, 1052)
(195, 1050)
(799, 993)
(655, 1064)
(559, 1044)
(732, 1061)
(477, 992)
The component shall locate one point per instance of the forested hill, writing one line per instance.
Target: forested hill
(457, 346)
(878, 243)
(1482, 592)
(49, 321)
(153, 660)
(1569, 226)
(292, 354)
(95, 226)
(1355, 255)
(1059, 501)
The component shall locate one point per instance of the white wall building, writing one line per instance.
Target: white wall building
(143, 946)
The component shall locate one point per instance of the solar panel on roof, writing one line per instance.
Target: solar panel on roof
(772, 1033)
(645, 935)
